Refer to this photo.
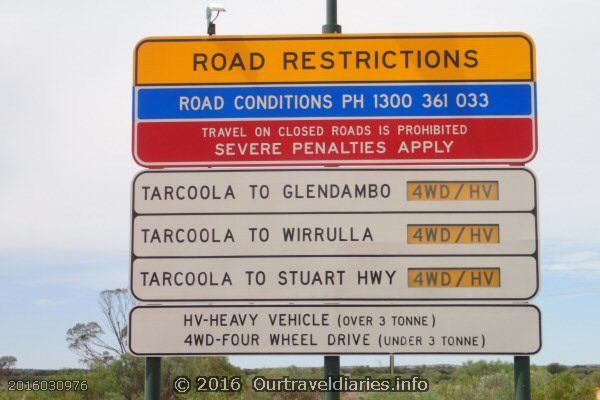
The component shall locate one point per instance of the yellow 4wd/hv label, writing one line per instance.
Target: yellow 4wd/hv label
(454, 234)
(453, 277)
(452, 191)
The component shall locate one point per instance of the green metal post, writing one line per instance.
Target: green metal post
(332, 363)
(522, 378)
(152, 389)
(332, 368)
(332, 26)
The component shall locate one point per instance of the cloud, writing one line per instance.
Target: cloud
(579, 293)
(574, 262)
(49, 302)
(38, 270)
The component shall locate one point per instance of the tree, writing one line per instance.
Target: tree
(86, 340)
(567, 386)
(556, 368)
(115, 306)
(6, 363)
(89, 340)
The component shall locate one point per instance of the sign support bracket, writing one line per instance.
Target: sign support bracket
(332, 363)
(332, 369)
(332, 26)
(522, 378)
(522, 371)
(153, 378)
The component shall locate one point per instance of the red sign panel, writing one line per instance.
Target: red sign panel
(356, 141)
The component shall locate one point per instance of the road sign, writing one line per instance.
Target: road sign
(334, 235)
(321, 234)
(343, 99)
(334, 278)
(339, 329)
(367, 190)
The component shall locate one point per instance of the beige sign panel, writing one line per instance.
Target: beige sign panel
(334, 278)
(334, 234)
(326, 329)
(334, 190)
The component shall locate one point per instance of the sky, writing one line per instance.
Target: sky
(66, 165)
